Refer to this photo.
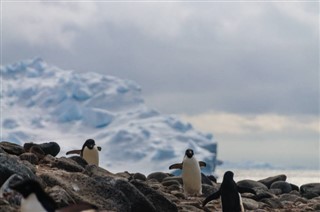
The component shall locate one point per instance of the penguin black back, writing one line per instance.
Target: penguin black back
(29, 187)
(229, 193)
(230, 198)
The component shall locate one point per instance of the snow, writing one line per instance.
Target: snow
(42, 103)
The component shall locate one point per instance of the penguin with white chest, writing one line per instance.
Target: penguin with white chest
(229, 193)
(34, 199)
(191, 173)
(89, 152)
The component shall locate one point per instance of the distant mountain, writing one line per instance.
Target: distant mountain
(43, 103)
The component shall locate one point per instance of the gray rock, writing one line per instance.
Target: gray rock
(176, 178)
(11, 148)
(310, 188)
(273, 203)
(138, 202)
(208, 189)
(159, 176)
(268, 181)
(283, 186)
(61, 163)
(32, 158)
(170, 182)
(205, 179)
(139, 176)
(251, 184)
(50, 148)
(289, 197)
(158, 200)
(79, 160)
(60, 196)
(10, 165)
(250, 204)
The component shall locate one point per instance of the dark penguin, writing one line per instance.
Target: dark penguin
(89, 152)
(230, 197)
(191, 173)
(36, 200)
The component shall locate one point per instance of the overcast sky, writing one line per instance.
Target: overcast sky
(246, 71)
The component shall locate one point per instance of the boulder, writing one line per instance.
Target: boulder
(159, 176)
(268, 181)
(11, 148)
(283, 186)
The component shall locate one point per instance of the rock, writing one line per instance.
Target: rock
(38, 152)
(10, 165)
(79, 160)
(283, 186)
(250, 204)
(208, 189)
(11, 148)
(32, 158)
(176, 178)
(138, 202)
(61, 163)
(139, 176)
(205, 179)
(60, 196)
(158, 200)
(273, 202)
(294, 187)
(159, 176)
(212, 178)
(251, 184)
(170, 182)
(289, 197)
(268, 181)
(51, 148)
(93, 170)
(310, 188)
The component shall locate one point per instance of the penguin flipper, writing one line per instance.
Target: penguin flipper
(202, 164)
(176, 166)
(213, 196)
(74, 152)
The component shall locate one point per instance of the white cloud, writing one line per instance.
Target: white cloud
(246, 124)
(45, 23)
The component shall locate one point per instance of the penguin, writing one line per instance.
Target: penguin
(230, 197)
(34, 199)
(89, 152)
(191, 173)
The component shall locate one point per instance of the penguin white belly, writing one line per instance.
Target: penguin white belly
(91, 155)
(241, 204)
(191, 176)
(31, 204)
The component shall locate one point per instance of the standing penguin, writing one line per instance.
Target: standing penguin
(230, 197)
(89, 152)
(191, 173)
(36, 200)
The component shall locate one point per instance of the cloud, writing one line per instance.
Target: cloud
(228, 123)
(246, 58)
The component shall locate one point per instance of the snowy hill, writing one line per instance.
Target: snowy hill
(42, 103)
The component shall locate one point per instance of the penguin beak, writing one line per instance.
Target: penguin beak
(99, 148)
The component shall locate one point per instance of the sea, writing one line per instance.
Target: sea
(296, 176)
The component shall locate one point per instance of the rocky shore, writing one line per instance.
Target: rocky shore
(71, 180)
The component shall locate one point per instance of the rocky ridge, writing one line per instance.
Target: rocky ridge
(72, 180)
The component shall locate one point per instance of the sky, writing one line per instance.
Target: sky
(246, 71)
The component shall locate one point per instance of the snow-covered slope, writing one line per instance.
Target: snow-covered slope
(42, 103)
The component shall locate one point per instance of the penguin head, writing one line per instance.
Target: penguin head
(228, 176)
(189, 153)
(90, 143)
(27, 187)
